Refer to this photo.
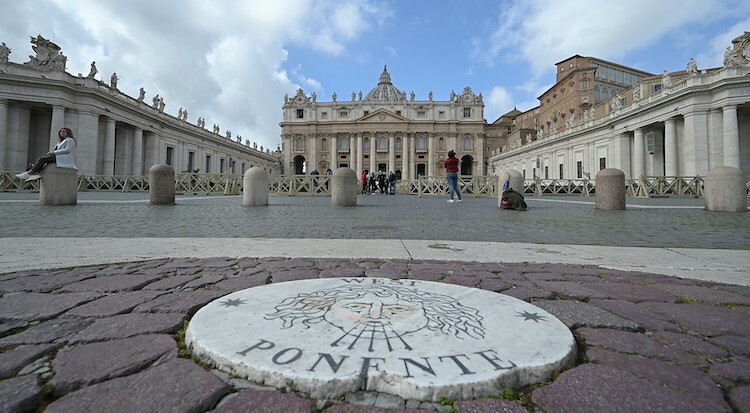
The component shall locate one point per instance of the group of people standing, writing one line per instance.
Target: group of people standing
(372, 182)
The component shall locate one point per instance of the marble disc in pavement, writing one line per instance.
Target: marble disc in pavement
(415, 339)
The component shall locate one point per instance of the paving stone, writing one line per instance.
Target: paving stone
(50, 331)
(205, 280)
(633, 292)
(494, 284)
(246, 263)
(129, 325)
(112, 283)
(710, 294)
(20, 394)
(704, 319)
(244, 282)
(40, 306)
(597, 388)
(13, 361)
(570, 290)
(488, 406)
(633, 312)
(11, 326)
(389, 401)
(266, 401)
(737, 346)
(629, 343)
(221, 262)
(466, 281)
(281, 264)
(294, 274)
(171, 282)
(112, 304)
(342, 271)
(187, 302)
(426, 275)
(688, 379)
(689, 344)
(83, 365)
(733, 372)
(43, 283)
(739, 397)
(545, 276)
(178, 385)
(578, 314)
(526, 294)
(363, 398)
(348, 408)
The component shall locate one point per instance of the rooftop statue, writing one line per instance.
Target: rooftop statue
(93, 70)
(48, 55)
(4, 52)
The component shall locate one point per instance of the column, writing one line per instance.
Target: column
(334, 152)
(670, 148)
(87, 143)
(405, 156)
(108, 157)
(639, 154)
(3, 133)
(138, 153)
(715, 155)
(731, 136)
(288, 150)
(352, 153)
(695, 145)
(373, 143)
(431, 156)
(622, 153)
(391, 152)
(58, 121)
(312, 150)
(358, 166)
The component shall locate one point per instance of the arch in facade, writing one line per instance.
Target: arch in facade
(299, 165)
(467, 164)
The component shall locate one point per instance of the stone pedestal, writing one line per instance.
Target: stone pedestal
(610, 189)
(161, 185)
(725, 190)
(255, 187)
(516, 182)
(59, 186)
(344, 187)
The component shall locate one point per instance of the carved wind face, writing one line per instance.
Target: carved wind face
(371, 318)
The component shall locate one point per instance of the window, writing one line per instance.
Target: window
(467, 112)
(585, 99)
(191, 161)
(324, 115)
(579, 169)
(421, 114)
(546, 172)
(324, 145)
(398, 112)
(299, 144)
(366, 144)
(441, 144)
(222, 165)
(655, 88)
(421, 143)
(584, 84)
(467, 143)
(344, 144)
(382, 145)
(561, 171)
(300, 113)
(441, 115)
(367, 112)
(170, 155)
(602, 163)
(398, 144)
(343, 114)
(207, 169)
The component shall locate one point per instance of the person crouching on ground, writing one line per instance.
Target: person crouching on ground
(63, 154)
(451, 167)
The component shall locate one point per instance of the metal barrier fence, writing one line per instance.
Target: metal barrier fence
(319, 185)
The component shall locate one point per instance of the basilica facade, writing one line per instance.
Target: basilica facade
(383, 131)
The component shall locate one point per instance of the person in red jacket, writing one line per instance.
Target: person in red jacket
(451, 167)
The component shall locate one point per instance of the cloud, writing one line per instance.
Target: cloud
(498, 102)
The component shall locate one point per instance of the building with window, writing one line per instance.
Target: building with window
(383, 131)
(603, 115)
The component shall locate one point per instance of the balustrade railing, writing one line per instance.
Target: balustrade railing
(319, 185)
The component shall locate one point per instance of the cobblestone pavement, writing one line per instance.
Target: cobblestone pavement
(661, 223)
(108, 338)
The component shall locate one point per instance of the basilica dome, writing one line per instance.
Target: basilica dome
(385, 91)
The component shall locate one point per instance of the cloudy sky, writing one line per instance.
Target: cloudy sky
(232, 61)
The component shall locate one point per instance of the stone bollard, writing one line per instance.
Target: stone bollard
(344, 187)
(725, 190)
(255, 187)
(516, 182)
(59, 186)
(161, 184)
(610, 189)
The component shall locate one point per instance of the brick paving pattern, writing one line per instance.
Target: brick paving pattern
(106, 338)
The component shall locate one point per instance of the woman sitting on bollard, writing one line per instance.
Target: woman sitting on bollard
(63, 154)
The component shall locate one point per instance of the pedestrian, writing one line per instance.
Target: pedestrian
(373, 183)
(392, 183)
(381, 182)
(451, 167)
(364, 182)
(63, 154)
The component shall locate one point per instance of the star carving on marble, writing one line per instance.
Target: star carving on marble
(232, 303)
(535, 317)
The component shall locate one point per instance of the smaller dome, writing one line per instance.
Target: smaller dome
(385, 91)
